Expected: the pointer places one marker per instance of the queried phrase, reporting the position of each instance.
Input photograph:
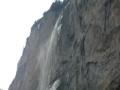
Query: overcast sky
(16, 19)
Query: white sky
(16, 19)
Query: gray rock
(85, 54)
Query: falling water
(45, 56)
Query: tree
(57, 0)
(57, 5)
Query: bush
(57, 5)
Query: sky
(16, 19)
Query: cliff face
(73, 48)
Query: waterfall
(45, 56)
(55, 85)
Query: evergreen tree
(57, 5)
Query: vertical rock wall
(87, 53)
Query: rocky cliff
(75, 46)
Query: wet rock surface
(87, 53)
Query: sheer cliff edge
(75, 46)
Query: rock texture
(85, 54)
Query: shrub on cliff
(57, 5)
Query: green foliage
(57, 5)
